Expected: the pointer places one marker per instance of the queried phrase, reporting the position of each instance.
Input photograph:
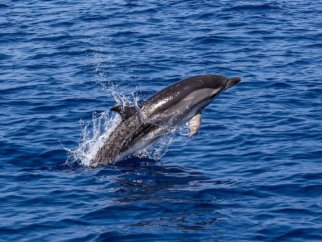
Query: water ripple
(252, 174)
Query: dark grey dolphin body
(164, 111)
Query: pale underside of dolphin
(166, 110)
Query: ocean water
(253, 173)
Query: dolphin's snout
(232, 81)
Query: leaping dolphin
(166, 110)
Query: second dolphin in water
(166, 110)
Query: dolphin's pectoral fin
(124, 111)
(194, 124)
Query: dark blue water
(254, 173)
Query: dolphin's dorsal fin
(124, 111)
(194, 124)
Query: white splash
(95, 132)
(93, 136)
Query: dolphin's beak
(232, 81)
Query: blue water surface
(253, 173)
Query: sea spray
(95, 133)
(93, 136)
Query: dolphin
(166, 110)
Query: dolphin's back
(173, 94)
